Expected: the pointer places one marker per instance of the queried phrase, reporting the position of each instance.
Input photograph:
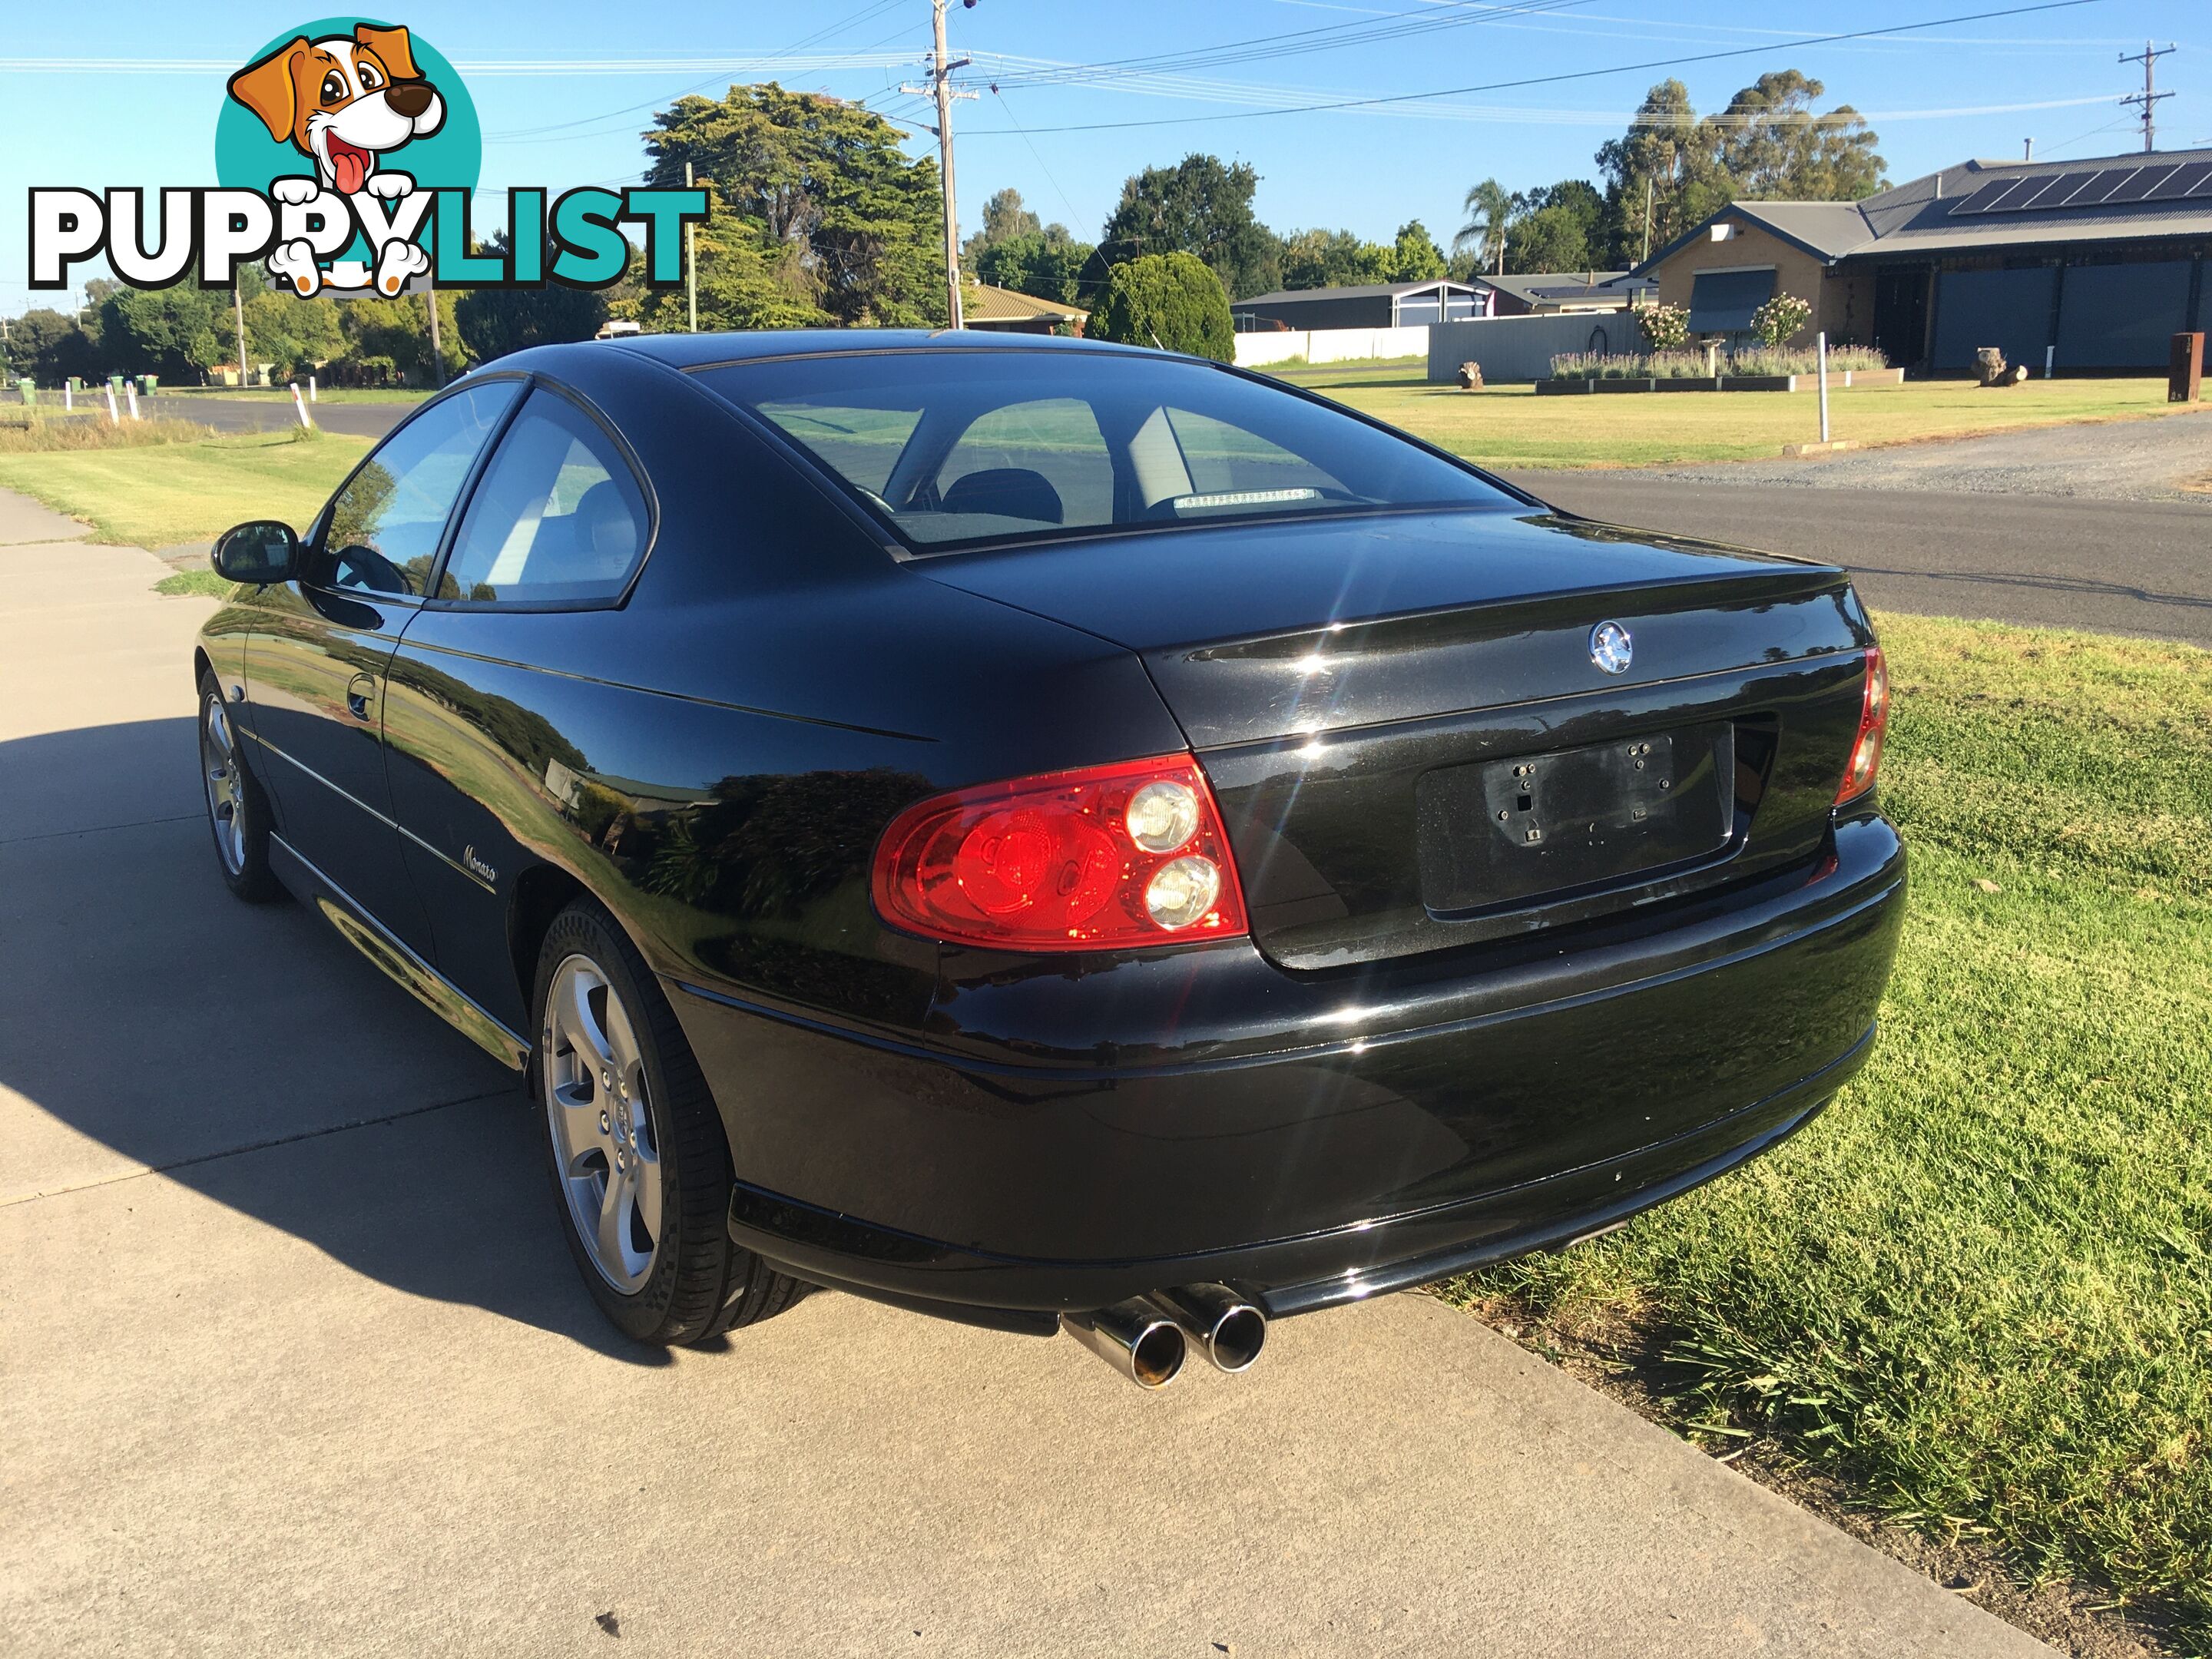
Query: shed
(1375, 305)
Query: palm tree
(1488, 208)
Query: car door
(489, 765)
(316, 660)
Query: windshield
(962, 447)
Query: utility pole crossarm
(2149, 96)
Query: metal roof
(1982, 205)
(1363, 291)
(980, 302)
(1571, 284)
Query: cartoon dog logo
(346, 102)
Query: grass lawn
(1511, 426)
(163, 493)
(1979, 1288)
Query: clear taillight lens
(1100, 859)
(1874, 722)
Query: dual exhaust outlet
(1147, 1338)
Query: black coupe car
(1058, 835)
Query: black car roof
(697, 350)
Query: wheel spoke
(615, 1201)
(646, 1179)
(578, 1127)
(582, 1025)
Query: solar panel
(1983, 200)
(2099, 186)
(2054, 189)
(2182, 181)
(2144, 180)
(2202, 189)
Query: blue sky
(126, 92)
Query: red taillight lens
(1103, 858)
(1874, 721)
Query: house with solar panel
(2090, 266)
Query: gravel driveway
(2147, 460)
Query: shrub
(1171, 300)
(1665, 326)
(1780, 318)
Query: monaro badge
(1611, 648)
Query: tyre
(640, 1164)
(238, 812)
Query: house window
(1722, 301)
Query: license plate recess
(1505, 833)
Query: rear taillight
(1874, 721)
(1103, 858)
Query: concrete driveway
(293, 1361)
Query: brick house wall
(1842, 297)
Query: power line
(1568, 75)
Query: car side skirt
(355, 925)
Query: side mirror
(262, 552)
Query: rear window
(964, 448)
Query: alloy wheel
(226, 788)
(604, 1141)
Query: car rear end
(1532, 872)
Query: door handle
(358, 690)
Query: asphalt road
(2119, 567)
(272, 411)
(1977, 528)
(294, 1360)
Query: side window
(558, 515)
(1041, 462)
(382, 531)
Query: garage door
(2122, 316)
(2008, 309)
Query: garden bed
(1836, 378)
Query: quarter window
(558, 518)
(383, 527)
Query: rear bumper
(1309, 1139)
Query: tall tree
(1332, 259)
(1653, 162)
(1203, 206)
(1773, 146)
(1050, 264)
(1768, 143)
(1004, 219)
(46, 346)
(1415, 257)
(1488, 208)
(824, 181)
(1557, 228)
(177, 333)
(497, 321)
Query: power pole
(941, 65)
(691, 264)
(437, 355)
(1647, 218)
(2150, 95)
(238, 309)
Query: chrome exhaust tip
(1136, 1338)
(1229, 1330)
